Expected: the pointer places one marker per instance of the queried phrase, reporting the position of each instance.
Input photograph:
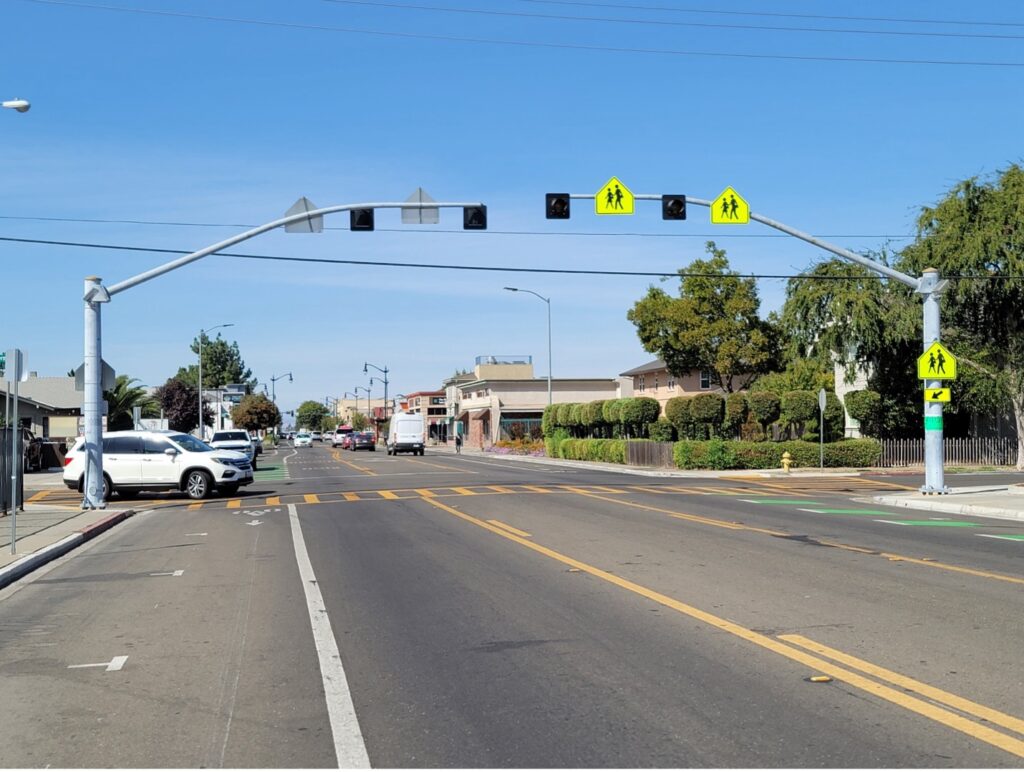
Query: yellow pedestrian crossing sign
(613, 198)
(730, 209)
(937, 395)
(936, 364)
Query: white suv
(235, 439)
(136, 461)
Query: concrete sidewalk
(44, 532)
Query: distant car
(237, 440)
(346, 441)
(363, 441)
(303, 440)
(339, 435)
(318, 436)
(257, 443)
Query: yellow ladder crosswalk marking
(351, 497)
(274, 501)
(311, 498)
(234, 504)
(464, 491)
(197, 505)
(388, 494)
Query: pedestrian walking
(458, 443)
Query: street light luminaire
(21, 105)
(548, 302)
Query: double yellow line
(806, 652)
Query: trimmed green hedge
(717, 454)
(613, 451)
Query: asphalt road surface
(352, 608)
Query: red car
(346, 441)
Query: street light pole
(273, 385)
(548, 302)
(201, 334)
(21, 105)
(385, 371)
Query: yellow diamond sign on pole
(936, 364)
(730, 209)
(613, 198)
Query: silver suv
(235, 439)
(136, 461)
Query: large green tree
(222, 364)
(712, 326)
(122, 398)
(975, 235)
(310, 414)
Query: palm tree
(122, 398)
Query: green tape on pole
(933, 423)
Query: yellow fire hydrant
(787, 461)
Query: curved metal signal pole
(927, 285)
(96, 294)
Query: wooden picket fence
(967, 451)
(649, 453)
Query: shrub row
(719, 454)
(631, 413)
(613, 451)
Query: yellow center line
(509, 528)
(311, 498)
(234, 504)
(951, 700)
(606, 489)
(926, 709)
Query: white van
(406, 434)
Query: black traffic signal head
(474, 218)
(673, 207)
(361, 219)
(556, 206)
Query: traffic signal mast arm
(892, 273)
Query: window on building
(655, 381)
(640, 384)
(671, 381)
(705, 379)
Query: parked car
(257, 443)
(235, 439)
(317, 436)
(135, 461)
(303, 440)
(32, 448)
(363, 441)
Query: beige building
(503, 400)
(654, 380)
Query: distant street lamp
(385, 371)
(548, 301)
(21, 105)
(201, 334)
(273, 383)
(367, 400)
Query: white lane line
(197, 534)
(115, 664)
(349, 746)
(179, 572)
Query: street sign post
(822, 401)
(614, 198)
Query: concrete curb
(942, 504)
(30, 563)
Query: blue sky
(172, 118)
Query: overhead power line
(174, 223)
(528, 43)
(455, 267)
(664, 23)
(720, 12)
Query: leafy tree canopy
(180, 403)
(310, 414)
(713, 325)
(122, 398)
(222, 364)
(255, 412)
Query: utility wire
(720, 12)
(453, 267)
(663, 23)
(462, 231)
(526, 43)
